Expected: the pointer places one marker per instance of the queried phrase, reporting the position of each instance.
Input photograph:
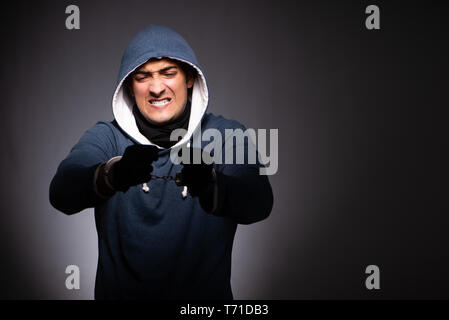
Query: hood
(156, 41)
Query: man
(158, 238)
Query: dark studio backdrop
(363, 132)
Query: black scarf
(160, 135)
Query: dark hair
(189, 72)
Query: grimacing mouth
(157, 101)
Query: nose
(156, 88)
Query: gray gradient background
(362, 138)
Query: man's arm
(242, 194)
(72, 187)
(235, 191)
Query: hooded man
(156, 240)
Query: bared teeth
(159, 102)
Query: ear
(190, 82)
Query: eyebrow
(161, 70)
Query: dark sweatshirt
(160, 244)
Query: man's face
(160, 90)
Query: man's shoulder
(108, 130)
(219, 122)
(104, 127)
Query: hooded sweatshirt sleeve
(243, 194)
(72, 189)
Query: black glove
(200, 181)
(134, 167)
(198, 178)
